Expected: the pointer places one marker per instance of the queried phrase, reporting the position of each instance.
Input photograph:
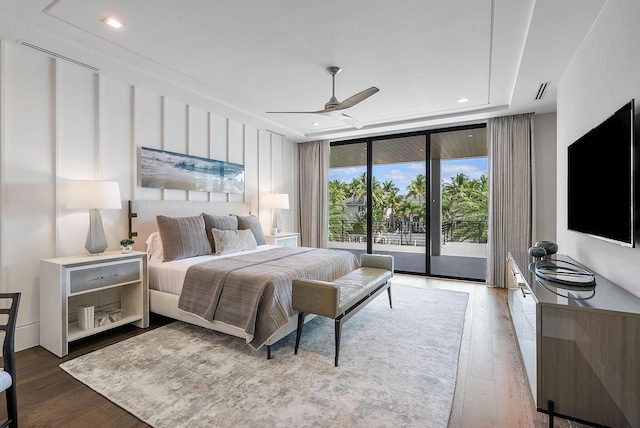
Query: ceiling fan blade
(344, 118)
(333, 106)
(355, 99)
(350, 121)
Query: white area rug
(397, 368)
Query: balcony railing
(412, 233)
(465, 231)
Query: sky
(402, 174)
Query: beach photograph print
(167, 170)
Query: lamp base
(96, 242)
(276, 222)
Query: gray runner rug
(397, 368)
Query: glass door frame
(369, 141)
(427, 171)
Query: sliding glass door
(459, 208)
(348, 191)
(397, 195)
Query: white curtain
(512, 195)
(313, 193)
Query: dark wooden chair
(8, 318)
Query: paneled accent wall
(61, 122)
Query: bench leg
(268, 352)
(301, 316)
(338, 333)
(389, 293)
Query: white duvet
(168, 277)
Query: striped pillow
(252, 223)
(183, 237)
(220, 222)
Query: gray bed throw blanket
(253, 291)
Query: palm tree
(358, 186)
(389, 187)
(358, 189)
(418, 187)
(459, 186)
(338, 217)
(465, 201)
(337, 194)
(378, 213)
(377, 191)
(391, 202)
(407, 209)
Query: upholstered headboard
(142, 214)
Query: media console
(580, 348)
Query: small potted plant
(126, 246)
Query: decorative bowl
(537, 252)
(549, 246)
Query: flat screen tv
(601, 180)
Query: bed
(243, 293)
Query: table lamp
(94, 196)
(277, 202)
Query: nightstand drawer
(287, 241)
(89, 278)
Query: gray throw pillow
(232, 241)
(252, 223)
(220, 222)
(183, 237)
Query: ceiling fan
(333, 107)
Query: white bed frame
(142, 223)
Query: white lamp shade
(92, 194)
(276, 200)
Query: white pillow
(154, 247)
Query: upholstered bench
(343, 297)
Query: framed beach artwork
(167, 170)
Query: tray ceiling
(254, 57)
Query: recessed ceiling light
(112, 22)
(470, 135)
(463, 100)
(316, 123)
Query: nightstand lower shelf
(76, 332)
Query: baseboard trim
(27, 336)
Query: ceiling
(248, 58)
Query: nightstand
(115, 284)
(284, 239)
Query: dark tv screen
(601, 179)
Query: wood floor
(491, 390)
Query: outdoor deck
(457, 260)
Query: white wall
(60, 122)
(545, 176)
(604, 75)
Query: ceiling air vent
(542, 89)
(57, 55)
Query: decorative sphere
(549, 246)
(537, 252)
